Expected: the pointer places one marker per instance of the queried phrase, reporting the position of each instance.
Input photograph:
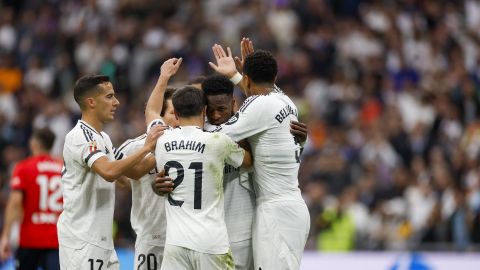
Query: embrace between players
(226, 195)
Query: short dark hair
(85, 85)
(166, 96)
(188, 101)
(197, 80)
(260, 67)
(45, 136)
(217, 85)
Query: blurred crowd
(390, 90)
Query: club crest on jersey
(92, 146)
(232, 119)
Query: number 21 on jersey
(198, 168)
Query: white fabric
(180, 258)
(147, 256)
(242, 254)
(82, 258)
(239, 200)
(265, 122)
(147, 216)
(279, 234)
(88, 199)
(197, 221)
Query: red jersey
(39, 178)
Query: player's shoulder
(131, 143)
(80, 134)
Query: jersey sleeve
(90, 152)
(118, 153)
(234, 153)
(158, 121)
(17, 180)
(250, 119)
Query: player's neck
(261, 89)
(39, 152)
(92, 121)
(192, 121)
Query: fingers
(299, 124)
(155, 132)
(178, 62)
(215, 52)
(162, 185)
(238, 62)
(215, 67)
(218, 51)
(161, 174)
(229, 52)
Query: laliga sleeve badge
(92, 146)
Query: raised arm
(230, 67)
(13, 213)
(112, 170)
(155, 101)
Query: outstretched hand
(170, 67)
(246, 48)
(225, 63)
(152, 136)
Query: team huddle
(213, 187)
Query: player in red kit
(37, 194)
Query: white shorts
(280, 231)
(88, 257)
(180, 258)
(242, 254)
(148, 257)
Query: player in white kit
(239, 195)
(196, 232)
(282, 220)
(147, 216)
(91, 165)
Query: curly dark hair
(261, 67)
(217, 85)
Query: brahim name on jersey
(182, 145)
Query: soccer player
(147, 216)
(36, 193)
(282, 221)
(196, 231)
(239, 195)
(91, 165)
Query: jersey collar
(88, 126)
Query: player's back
(39, 178)
(264, 120)
(195, 208)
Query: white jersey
(239, 200)
(264, 120)
(88, 199)
(147, 216)
(194, 159)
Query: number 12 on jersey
(197, 195)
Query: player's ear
(89, 102)
(234, 104)
(175, 113)
(248, 82)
